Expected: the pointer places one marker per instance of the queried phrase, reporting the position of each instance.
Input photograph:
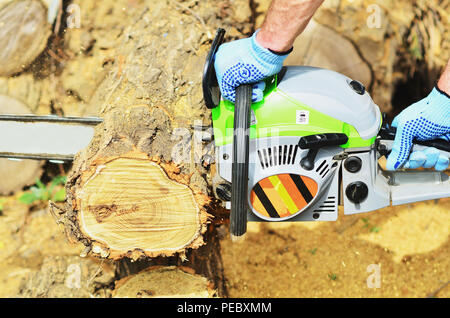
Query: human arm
(252, 59)
(444, 82)
(285, 20)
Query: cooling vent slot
(277, 155)
(329, 205)
(323, 169)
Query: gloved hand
(245, 61)
(425, 120)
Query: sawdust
(413, 230)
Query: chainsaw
(313, 143)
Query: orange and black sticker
(282, 195)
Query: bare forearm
(284, 21)
(444, 81)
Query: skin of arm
(444, 81)
(285, 20)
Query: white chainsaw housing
(329, 92)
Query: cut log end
(131, 203)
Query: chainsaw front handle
(241, 141)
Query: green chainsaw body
(278, 115)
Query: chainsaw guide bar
(44, 137)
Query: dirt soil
(409, 246)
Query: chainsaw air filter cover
(282, 196)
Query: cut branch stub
(131, 203)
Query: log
(139, 191)
(132, 202)
(68, 276)
(23, 34)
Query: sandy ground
(394, 252)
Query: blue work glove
(245, 61)
(425, 120)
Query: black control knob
(357, 87)
(357, 192)
(307, 162)
(353, 164)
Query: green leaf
(28, 198)
(59, 180)
(375, 229)
(60, 195)
(40, 184)
(332, 276)
(38, 192)
(313, 251)
(46, 195)
(366, 222)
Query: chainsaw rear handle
(239, 174)
(388, 133)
